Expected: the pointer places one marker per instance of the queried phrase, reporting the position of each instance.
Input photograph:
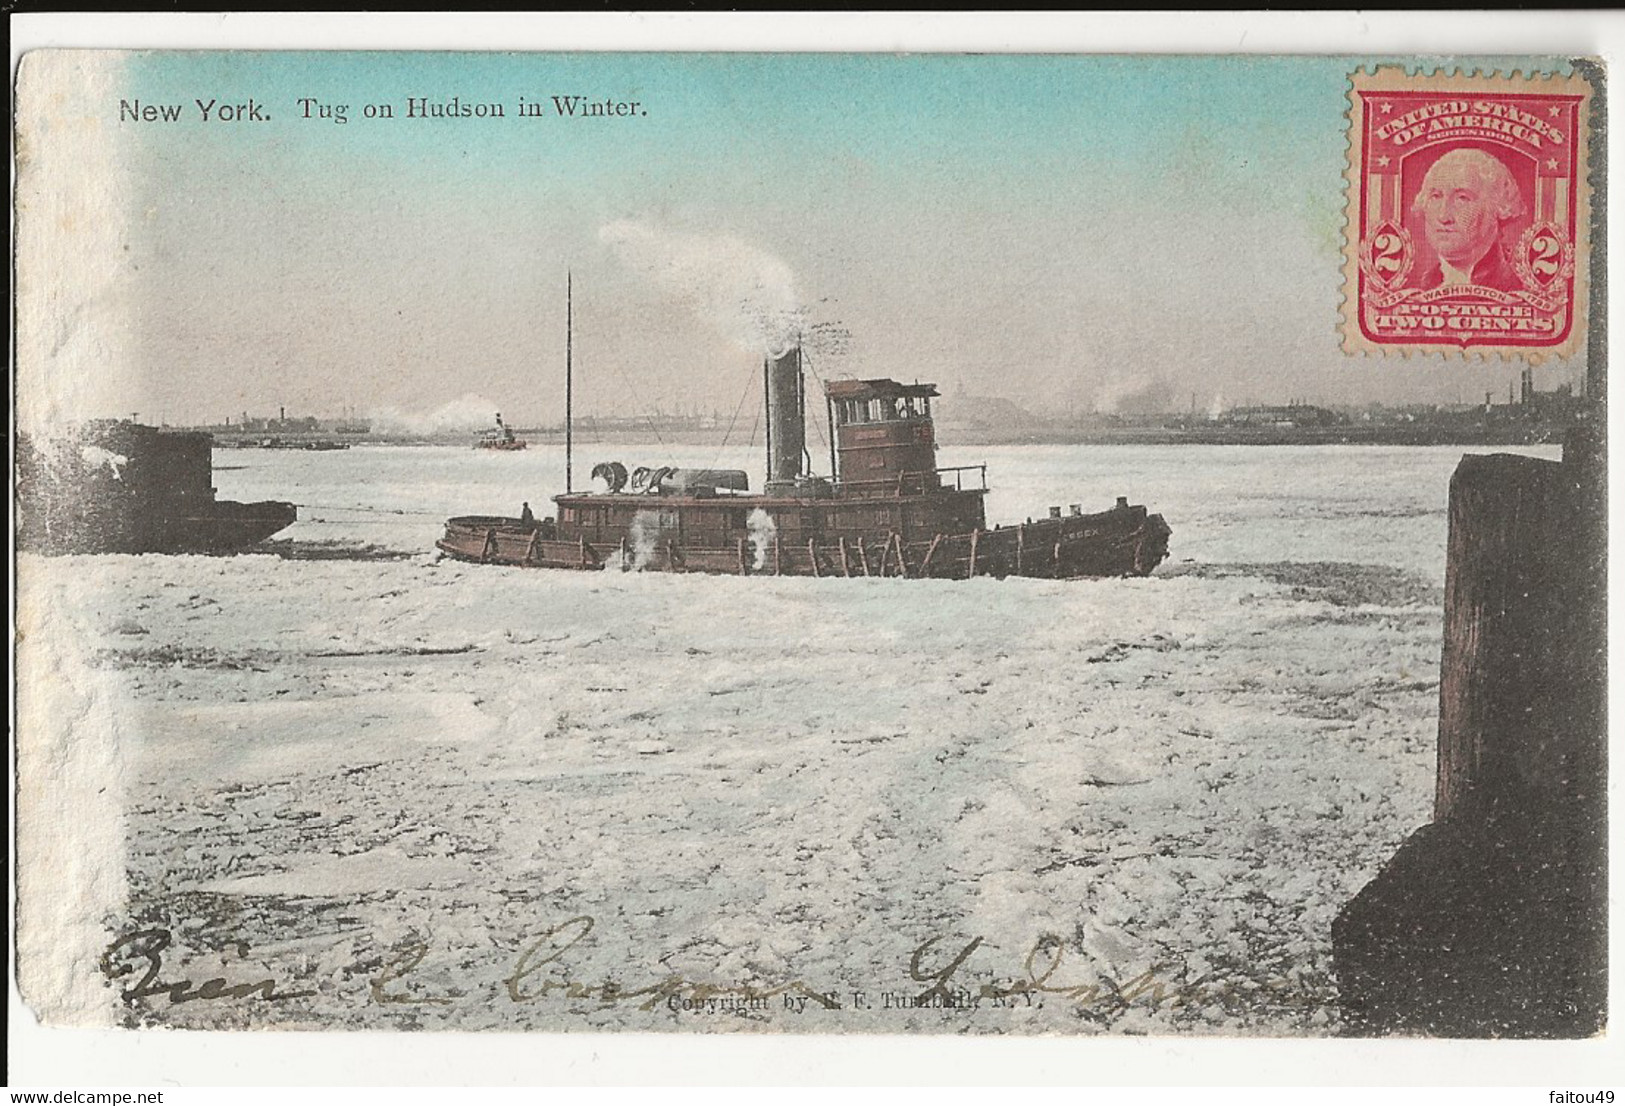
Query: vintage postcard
(793, 543)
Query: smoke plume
(1123, 394)
(747, 294)
(471, 412)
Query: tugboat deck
(885, 510)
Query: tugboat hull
(1125, 541)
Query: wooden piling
(1506, 730)
(1491, 920)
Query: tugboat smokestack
(786, 420)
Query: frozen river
(1226, 503)
(418, 793)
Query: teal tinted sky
(904, 112)
(1094, 232)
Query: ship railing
(918, 483)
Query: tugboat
(502, 437)
(888, 510)
(112, 486)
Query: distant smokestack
(786, 420)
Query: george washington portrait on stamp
(1467, 202)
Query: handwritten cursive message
(939, 976)
(145, 947)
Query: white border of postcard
(99, 1058)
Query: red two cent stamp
(1468, 213)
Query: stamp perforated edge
(1400, 78)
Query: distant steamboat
(888, 510)
(501, 438)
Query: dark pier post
(1491, 920)
(1523, 632)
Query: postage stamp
(1468, 213)
(677, 542)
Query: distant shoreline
(1385, 435)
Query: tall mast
(767, 409)
(569, 380)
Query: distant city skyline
(462, 417)
(1080, 233)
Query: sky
(1073, 233)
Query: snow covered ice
(417, 793)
